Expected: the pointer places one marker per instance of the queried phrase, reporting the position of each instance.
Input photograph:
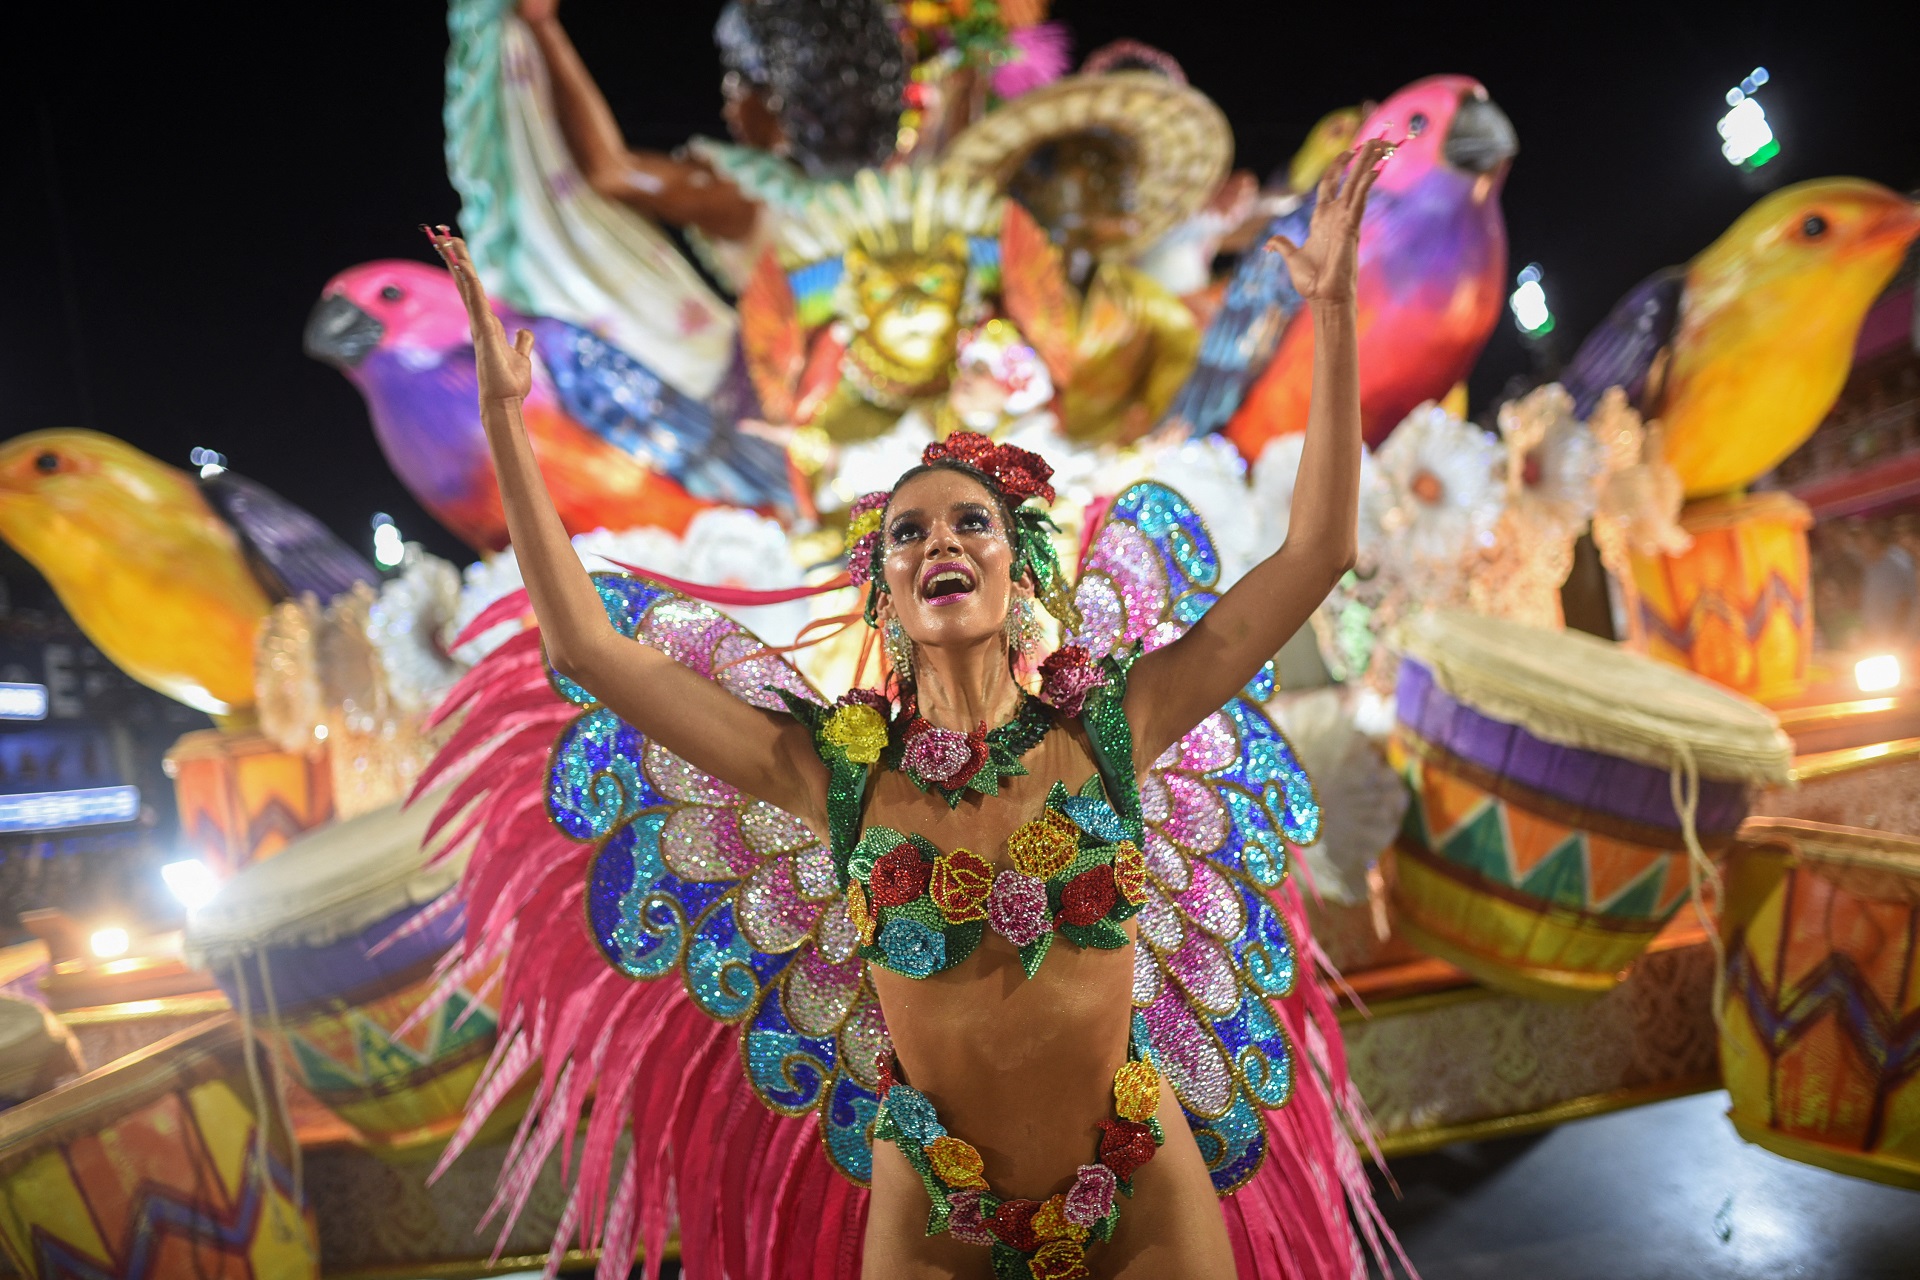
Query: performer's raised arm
(767, 755)
(1174, 688)
(683, 192)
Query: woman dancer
(1013, 1049)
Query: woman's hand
(506, 371)
(1323, 269)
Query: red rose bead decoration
(1012, 1222)
(1125, 1146)
(899, 877)
(1018, 473)
(1067, 676)
(1088, 896)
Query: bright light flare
(211, 463)
(108, 943)
(1877, 674)
(1746, 137)
(1529, 303)
(192, 882)
(389, 549)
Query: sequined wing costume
(575, 818)
(1224, 999)
(747, 1083)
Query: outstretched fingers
(1374, 153)
(453, 251)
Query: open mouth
(946, 583)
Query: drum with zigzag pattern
(1820, 1030)
(333, 948)
(1735, 606)
(1554, 779)
(151, 1168)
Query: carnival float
(1679, 855)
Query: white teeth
(949, 584)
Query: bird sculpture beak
(339, 333)
(1898, 224)
(1482, 138)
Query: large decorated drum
(1557, 781)
(154, 1166)
(330, 948)
(1820, 1030)
(1734, 606)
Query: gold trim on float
(1854, 1164)
(1413, 1142)
(1824, 764)
(1828, 714)
(195, 1006)
(1423, 1002)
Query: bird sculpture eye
(47, 463)
(1814, 227)
(1416, 124)
(393, 293)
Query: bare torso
(1023, 1069)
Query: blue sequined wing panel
(1221, 808)
(735, 895)
(1151, 573)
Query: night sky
(180, 180)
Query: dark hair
(836, 68)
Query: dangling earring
(1023, 628)
(899, 648)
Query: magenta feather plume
(1036, 56)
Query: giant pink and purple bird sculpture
(1433, 263)
(618, 446)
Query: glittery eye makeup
(967, 518)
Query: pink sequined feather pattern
(750, 1192)
(1223, 935)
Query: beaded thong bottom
(1030, 1239)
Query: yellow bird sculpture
(167, 575)
(1742, 352)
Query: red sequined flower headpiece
(1016, 472)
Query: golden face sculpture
(907, 306)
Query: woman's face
(947, 557)
(750, 115)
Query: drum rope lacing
(250, 1050)
(1683, 781)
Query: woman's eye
(976, 522)
(904, 532)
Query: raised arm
(681, 192)
(1173, 689)
(768, 755)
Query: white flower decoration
(408, 626)
(1444, 476)
(1554, 461)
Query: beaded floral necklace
(950, 763)
(1078, 867)
(1030, 1239)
